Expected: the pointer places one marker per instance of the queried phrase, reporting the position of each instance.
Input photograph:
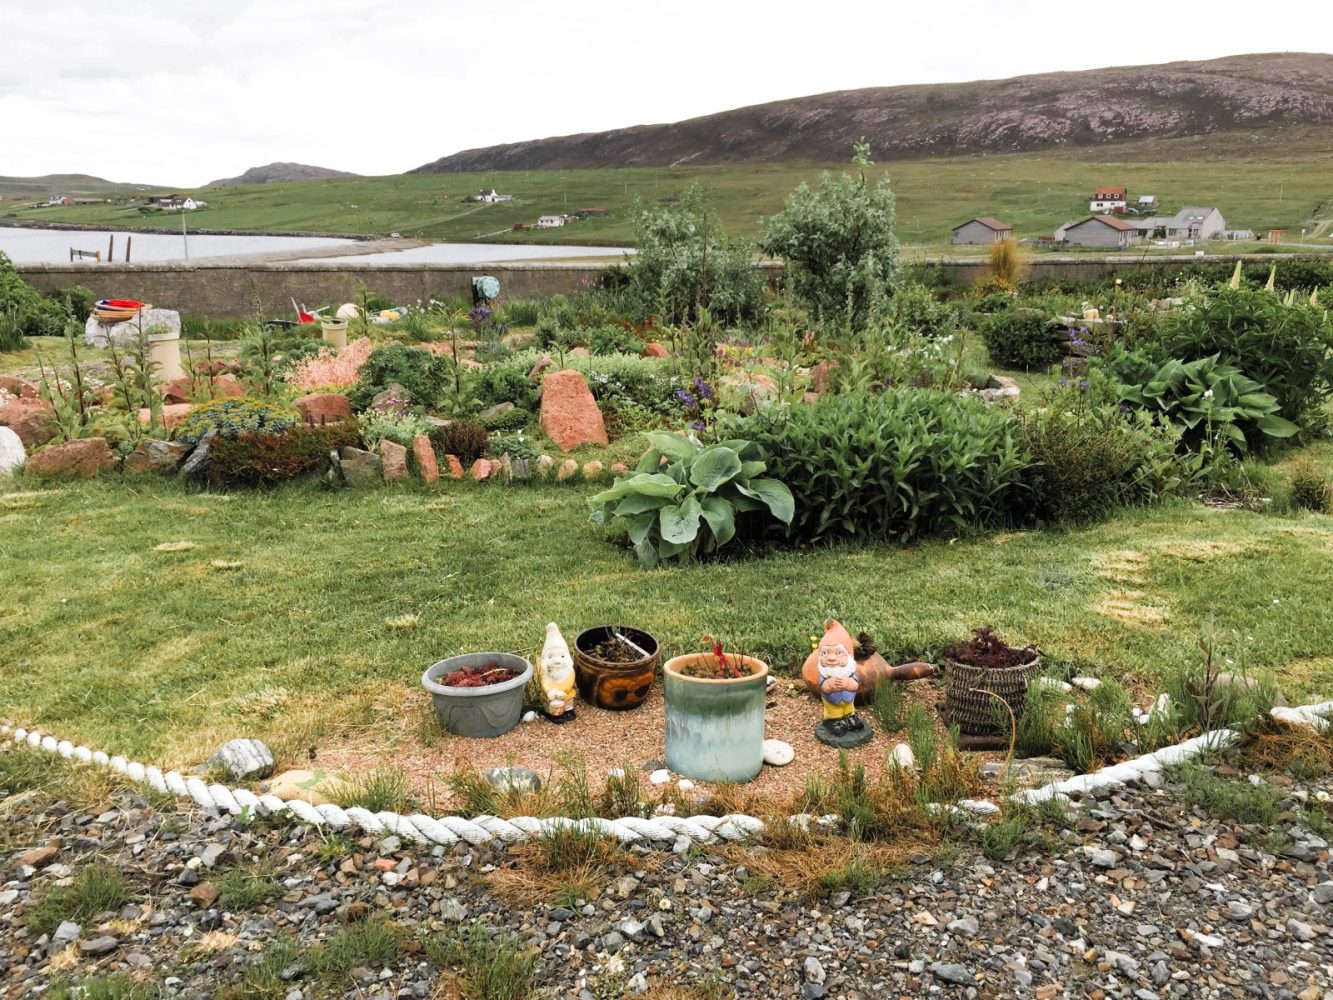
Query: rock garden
(957, 639)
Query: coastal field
(1260, 179)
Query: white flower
(1208, 394)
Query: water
(473, 253)
(51, 246)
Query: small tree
(837, 242)
(686, 267)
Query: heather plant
(838, 244)
(331, 369)
(422, 374)
(465, 439)
(234, 416)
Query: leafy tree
(837, 242)
(686, 267)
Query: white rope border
(681, 833)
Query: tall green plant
(688, 509)
(837, 242)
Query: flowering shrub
(330, 369)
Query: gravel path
(1141, 897)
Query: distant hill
(273, 172)
(1088, 108)
(70, 184)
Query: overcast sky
(182, 92)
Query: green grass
(492, 966)
(160, 655)
(1229, 798)
(96, 889)
(1260, 178)
(246, 887)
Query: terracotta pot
(616, 686)
(715, 728)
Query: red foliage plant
(986, 649)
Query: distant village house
(1190, 223)
(1101, 231)
(490, 195)
(1146, 203)
(550, 221)
(981, 230)
(175, 203)
(1107, 199)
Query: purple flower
(703, 388)
(479, 314)
(698, 425)
(1124, 408)
(1082, 383)
(689, 401)
(1063, 383)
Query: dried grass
(1133, 607)
(813, 864)
(1278, 745)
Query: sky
(181, 92)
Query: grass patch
(1226, 798)
(263, 979)
(562, 865)
(97, 888)
(374, 944)
(489, 965)
(246, 887)
(386, 789)
(102, 988)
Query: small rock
(211, 854)
(901, 756)
(519, 779)
(1086, 683)
(952, 973)
(359, 467)
(660, 777)
(568, 469)
(244, 759)
(814, 971)
(67, 933)
(101, 945)
(967, 926)
(204, 895)
(613, 941)
(529, 716)
(777, 753)
(423, 455)
(38, 857)
(393, 461)
(813, 991)
(481, 469)
(82, 457)
(1302, 930)
(197, 463)
(1323, 893)
(452, 910)
(323, 904)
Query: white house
(1146, 203)
(1195, 223)
(550, 221)
(1107, 199)
(490, 195)
(190, 204)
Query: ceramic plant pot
(614, 685)
(715, 728)
(484, 712)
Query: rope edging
(681, 833)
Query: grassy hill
(1260, 178)
(15, 189)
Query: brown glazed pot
(614, 685)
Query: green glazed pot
(715, 728)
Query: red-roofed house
(1101, 231)
(1107, 199)
(981, 230)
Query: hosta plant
(1208, 399)
(686, 508)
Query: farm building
(550, 221)
(1107, 199)
(1146, 203)
(1101, 231)
(981, 230)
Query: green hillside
(1259, 179)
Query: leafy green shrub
(1089, 459)
(1286, 348)
(503, 382)
(234, 416)
(915, 307)
(1207, 400)
(74, 300)
(11, 330)
(515, 445)
(685, 265)
(612, 338)
(837, 243)
(466, 439)
(509, 420)
(28, 310)
(897, 466)
(688, 509)
(253, 458)
(1022, 338)
(422, 374)
(519, 312)
(616, 378)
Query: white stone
(1051, 682)
(685, 784)
(1086, 683)
(778, 753)
(901, 756)
(155, 321)
(660, 776)
(529, 716)
(12, 452)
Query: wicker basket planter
(970, 708)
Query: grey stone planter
(482, 711)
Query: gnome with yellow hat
(557, 676)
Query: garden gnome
(838, 684)
(557, 676)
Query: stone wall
(240, 290)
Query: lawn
(275, 621)
(1259, 178)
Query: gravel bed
(1142, 896)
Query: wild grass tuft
(889, 706)
(564, 864)
(490, 964)
(246, 887)
(96, 889)
(374, 944)
(1234, 799)
(101, 988)
(386, 789)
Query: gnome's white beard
(558, 669)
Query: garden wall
(239, 290)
